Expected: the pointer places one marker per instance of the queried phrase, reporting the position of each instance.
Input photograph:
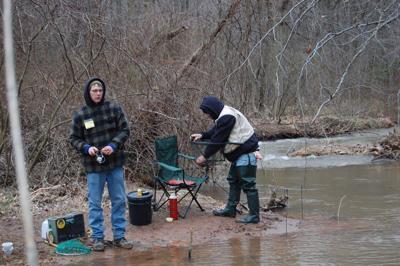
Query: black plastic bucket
(140, 211)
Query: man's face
(208, 116)
(96, 93)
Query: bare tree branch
(272, 29)
(195, 58)
(345, 73)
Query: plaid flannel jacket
(110, 126)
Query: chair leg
(156, 205)
(194, 198)
(190, 204)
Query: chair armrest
(169, 167)
(190, 157)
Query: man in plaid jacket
(99, 131)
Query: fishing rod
(213, 160)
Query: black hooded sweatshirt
(86, 92)
(220, 132)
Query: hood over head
(211, 105)
(86, 91)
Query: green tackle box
(66, 227)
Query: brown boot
(123, 243)
(97, 244)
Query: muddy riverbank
(55, 201)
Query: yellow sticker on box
(60, 223)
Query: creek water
(348, 210)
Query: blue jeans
(246, 159)
(116, 189)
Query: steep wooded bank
(271, 59)
(325, 126)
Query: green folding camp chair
(172, 177)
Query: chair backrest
(167, 150)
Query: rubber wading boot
(233, 200)
(254, 209)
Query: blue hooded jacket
(220, 132)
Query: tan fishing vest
(242, 130)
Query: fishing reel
(100, 158)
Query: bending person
(232, 126)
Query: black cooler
(140, 211)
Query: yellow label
(60, 223)
(89, 123)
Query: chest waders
(242, 178)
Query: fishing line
(304, 174)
